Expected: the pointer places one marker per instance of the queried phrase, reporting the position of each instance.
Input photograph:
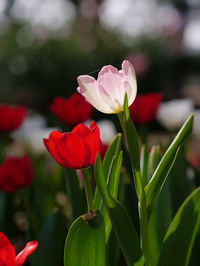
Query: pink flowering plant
(122, 208)
(89, 235)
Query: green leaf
(134, 150)
(132, 138)
(113, 250)
(144, 157)
(180, 168)
(179, 239)
(113, 150)
(155, 185)
(121, 222)
(153, 239)
(51, 241)
(75, 193)
(154, 158)
(159, 221)
(113, 187)
(85, 243)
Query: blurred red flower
(15, 173)
(73, 110)
(145, 107)
(8, 255)
(11, 117)
(76, 149)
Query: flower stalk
(88, 188)
(138, 181)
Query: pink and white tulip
(107, 93)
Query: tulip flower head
(76, 149)
(11, 117)
(8, 254)
(73, 110)
(145, 107)
(15, 173)
(107, 93)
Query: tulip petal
(51, 145)
(131, 86)
(81, 130)
(73, 150)
(81, 109)
(88, 87)
(28, 250)
(114, 104)
(113, 83)
(93, 125)
(94, 142)
(7, 251)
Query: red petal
(51, 145)
(144, 108)
(28, 250)
(72, 149)
(94, 142)
(55, 136)
(7, 251)
(81, 130)
(93, 125)
(76, 102)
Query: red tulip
(15, 173)
(76, 149)
(8, 255)
(73, 110)
(144, 108)
(11, 117)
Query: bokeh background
(45, 45)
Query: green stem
(142, 200)
(88, 188)
(144, 228)
(121, 120)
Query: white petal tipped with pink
(107, 93)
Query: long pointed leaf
(144, 158)
(155, 185)
(179, 239)
(113, 150)
(121, 222)
(133, 147)
(113, 187)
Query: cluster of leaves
(169, 238)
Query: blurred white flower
(139, 17)
(45, 17)
(172, 114)
(191, 37)
(107, 130)
(32, 132)
(34, 139)
(196, 126)
(31, 122)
